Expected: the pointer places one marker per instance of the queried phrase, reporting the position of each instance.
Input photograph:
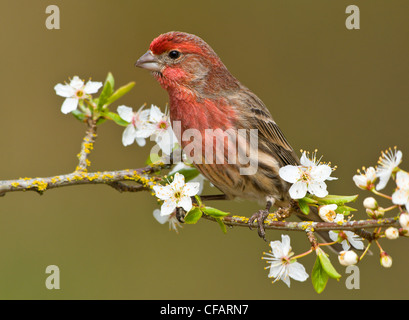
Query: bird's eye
(174, 54)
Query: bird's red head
(182, 60)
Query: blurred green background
(344, 92)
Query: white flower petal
(167, 207)
(400, 196)
(126, 113)
(286, 247)
(191, 189)
(69, 105)
(298, 190)
(402, 180)
(128, 136)
(178, 181)
(64, 90)
(155, 115)
(163, 192)
(318, 188)
(354, 240)
(345, 245)
(161, 219)
(76, 83)
(297, 271)
(140, 141)
(92, 87)
(290, 173)
(333, 235)
(277, 249)
(321, 172)
(360, 181)
(185, 203)
(305, 161)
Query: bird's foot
(260, 216)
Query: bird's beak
(148, 61)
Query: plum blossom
(366, 179)
(75, 91)
(138, 129)
(177, 194)
(281, 266)
(401, 194)
(388, 162)
(162, 131)
(307, 177)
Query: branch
(239, 221)
(111, 178)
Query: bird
(205, 97)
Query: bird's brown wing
(271, 139)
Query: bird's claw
(260, 216)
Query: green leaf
(120, 92)
(345, 210)
(215, 213)
(326, 264)
(319, 277)
(305, 208)
(308, 199)
(107, 90)
(338, 200)
(193, 216)
(221, 224)
(79, 115)
(116, 118)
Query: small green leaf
(326, 264)
(79, 115)
(215, 213)
(304, 207)
(193, 216)
(319, 277)
(345, 210)
(107, 90)
(221, 224)
(120, 92)
(116, 118)
(338, 200)
(308, 199)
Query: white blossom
(281, 266)
(388, 162)
(74, 91)
(401, 194)
(365, 180)
(138, 129)
(307, 177)
(177, 194)
(162, 132)
(347, 239)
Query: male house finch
(204, 95)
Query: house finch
(204, 95)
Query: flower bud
(392, 233)
(386, 260)
(348, 258)
(370, 203)
(327, 212)
(404, 220)
(376, 214)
